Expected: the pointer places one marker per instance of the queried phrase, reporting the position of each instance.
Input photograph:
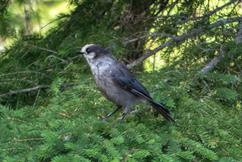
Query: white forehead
(84, 48)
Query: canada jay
(116, 82)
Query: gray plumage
(116, 83)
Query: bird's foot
(121, 119)
(134, 111)
(124, 114)
(111, 113)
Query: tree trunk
(27, 18)
(136, 20)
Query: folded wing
(125, 80)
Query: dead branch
(182, 38)
(210, 66)
(14, 92)
(213, 63)
(152, 35)
(210, 13)
(206, 15)
(155, 34)
(23, 72)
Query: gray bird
(116, 83)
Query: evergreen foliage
(70, 128)
(62, 120)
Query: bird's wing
(125, 80)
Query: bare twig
(24, 90)
(23, 72)
(210, 13)
(57, 58)
(153, 35)
(54, 56)
(179, 39)
(212, 64)
(36, 98)
(17, 80)
(57, 19)
(43, 49)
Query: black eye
(88, 50)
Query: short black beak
(78, 51)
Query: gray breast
(110, 90)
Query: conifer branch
(182, 38)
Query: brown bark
(136, 21)
(27, 18)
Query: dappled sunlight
(50, 14)
(43, 15)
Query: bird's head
(93, 51)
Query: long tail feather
(158, 106)
(162, 110)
